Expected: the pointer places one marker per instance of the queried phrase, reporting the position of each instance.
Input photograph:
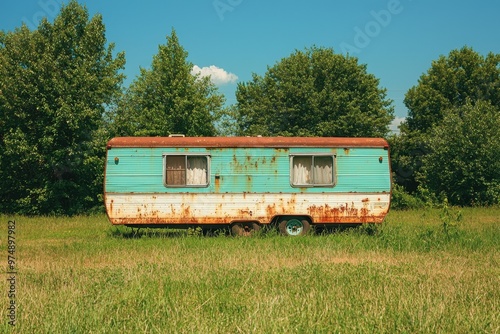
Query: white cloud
(218, 75)
(395, 123)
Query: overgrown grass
(432, 271)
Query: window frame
(313, 156)
(186, 157)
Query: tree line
(62, 98)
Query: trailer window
(185, 170)
(312, 170)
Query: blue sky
(397, 39)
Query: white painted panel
(225, 208)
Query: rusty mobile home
(247, 182)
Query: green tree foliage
(463, 75)
(463, 164)
(451, 81)
(54, 85)
(168, 99)
(313, 93)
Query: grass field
(428, 271)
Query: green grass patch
(425, 271)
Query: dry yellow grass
(81, 275)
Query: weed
(450, 221)
(195, 231)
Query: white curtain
(304, 173)
(302, 170)
(196, 173)
(323, 167)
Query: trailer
(245, 183)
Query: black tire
(294, 227)
(244, 229)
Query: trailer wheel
(244, 229)
(294, 227)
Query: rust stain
(186, 211)
(347, 151)
(319, 214)
(364, 210)
(245, 213)
(192, 197)
(271, 210)
(344, 214)
(365, 215)
(249, 183)
(279, 143)
(290, 205)
(217, 184)
(219, 210)
(180, 221)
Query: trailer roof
(230, 142)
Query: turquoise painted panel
(253, 170)
(250, 170)
(359, 170)
(137, 170)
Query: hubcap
(294, 227)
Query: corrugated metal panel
(246, 170)
(246, 182)
(225, 208)
(246, 142)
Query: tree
(463, 164)
(55, 83)
(314, 93)
(463, 75)
(168, 99)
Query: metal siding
(252, 170)
(249, 180)
(257, 170)
(359, 170)
(226, 208)
(138, 170)
(245, 142)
